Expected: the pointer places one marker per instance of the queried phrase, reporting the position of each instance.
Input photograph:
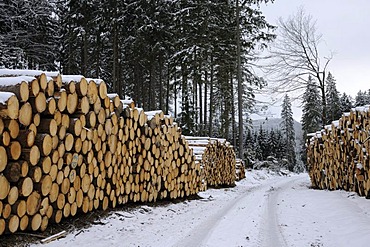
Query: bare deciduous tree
(295, 56)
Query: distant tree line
(265, 144)
(274, 147)
(178, 56)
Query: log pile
(338, 155)
(217, 159)
(69, 147)
(240, 169)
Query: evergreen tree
(311, 109)
(281, 146)
(262, 143)
(311, 113)
(273, 144)
(346, 103)
(287, 128)
(27, 34)
(361, 99)
(333, 110)
(249, 147)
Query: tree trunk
(211, 101)
(205, 101)
(240, 83)
(168, 90)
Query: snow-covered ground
(262, 210)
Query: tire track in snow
(271, 232)
(232, 224)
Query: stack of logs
(68, 147)
(217, 159)
(240, 169)
(338, 155)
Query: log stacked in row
(338, 155)
(240, 169)
(217, 159)
(69, 147)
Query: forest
(178, 56)
(191, 59)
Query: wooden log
(48, 126)
(75, 126)
(102, 88)
(25, 186)
(14, 150)
(44, 143)
(26, 138)
(5, 187)
(13, 195)
(50, 89)
(25, 114)
(19, 208)
(72, 102)
(38, 103)
(12, 126)
(3, 158)
(17, 85)
(9, 105)
(61, 99)
(51, 106)
(35, 173)
(92, 92)
(13, 223)
(33, 203)
(43, 81)
(83, 105)
(13, 172)
(31, 155)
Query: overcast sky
(345, 26)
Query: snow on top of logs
(198, 150)
(364, 108)
(127, 101)
(26, 72)
(139, 109)
(197, 138)
(112, 95)
(198, 142)
(335, 123)
(96, 80)
(9, 81)
(359, 166)
(69, 78)
(4, 96)
(151, 114)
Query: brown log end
(25, 114)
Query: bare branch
(295, 56)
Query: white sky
(345, 26)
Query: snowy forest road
(250, 218)
(263, 210)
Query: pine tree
(262, 143)
(311, 110)
(361, 98)
(333, 110)
(311, 113)
(346, 103)
(273, 144)
(287, 128)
